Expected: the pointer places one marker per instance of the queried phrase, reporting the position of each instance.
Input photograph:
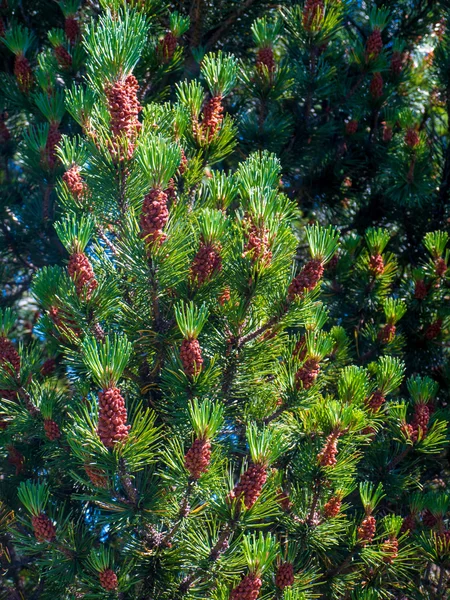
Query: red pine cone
(257, 245)
(376, 401)
(300, 349)
(154, 216)
(412, 137)
(409, 523)
(327, 456)
(44, 530)
(390, 548)
(308, 278)
(434, 329)
(440, 267)
(250, 485)
(313, 13)
(387, 133)
(428, 519)
(351, 127)
(48, 367)
(96, 475)
(307, 374)
(124, 109)
(8, 354)
(108, 580)
(52, 430)
(248, 588)
(167, 46)
(409, 431)
(333, 507)
(112, 416)
(212, 116)
(23, 73)
(75, 184)
(206, 263)
(421, 417)
(376, 264)
(366, 531)
(387, 333)
(265, 59)
(15, 458)
(285, 575)
(63, 58)
(198, 457)
(183, 163)
(374, 44)
(191, 357)
(53, 139)
(82, 274)
(420, 289)
(397, 61)
(376, 86)
(72, 29)
(225, 296)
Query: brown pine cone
(206, 263)
(428, 519)
(327, 456)
(8, 354)
(225, 296)
(367, 529)
(112, 416)
(333, 507)
(390, 548)
(285, 575)
(250, 485)
(420, 289)
(376, 86)
(412, 137)
(72, 29)
(82, 274)
(75, 184)
(307, 374)
(44, 530)
(96, 475)
(167, 46)
(191, 357)
(374, 44)
(108, 580)
(257, 246)
(212, 116)
(307, 279)
(284, 501)
(52, 430)
(387, 333)
(197, 458)
(124, 109)
(376, 401)
(440, 267)
(409, 523)
(265, 59)
(63, 58)
(376, 264)
(53, 139)
(48, 367)
(421, 418)
(154, 216)
(23, 73)
(248, 588)
(313, 13)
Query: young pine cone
(8, 354)
(366, 531)
(212, 116)
(248, 588)
(48, 367)
(53, 139)
(265, 59)
(75, 184)
(308, 278)
(284, 501)
(198, 457)
(167, 46)
(300, 350)
(421, 418)
(250, 485)
(206, 263)
(412, 137)
(409, 523)
(376, 264)
(327, 456)
(108, 580)
(82, 274)
(124, 109)
(440, 267)
(72, 29)
(307, 374)
(154, 216)
(96, 475)
(225, 296)
(374, 44)
(390, 549)
(51, 429)
(63, 58)
(44, 530)
(387, 133)
(333, 507)
(420, 290)
(285, 575)
(434, 329)
(397, 63)
(23, 73)
(112, 416)
(376, 401)
(428, 519)
(257, 246)
(387, 333)
(313, 13)
(191, 357)
(376, 86)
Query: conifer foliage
(216, 398)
